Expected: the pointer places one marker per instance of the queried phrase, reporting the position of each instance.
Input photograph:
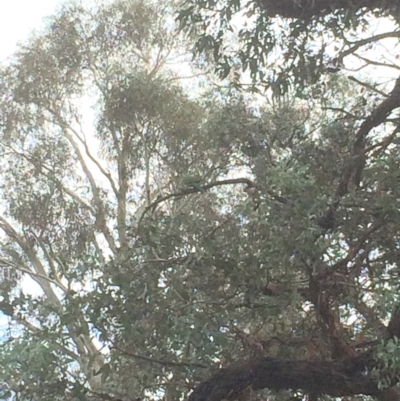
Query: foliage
(120, 282)
(388, 354)
(288, 44)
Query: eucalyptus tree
(100, 229)
(290, 45)
(90, 108)
(154, 230)
(299, 49)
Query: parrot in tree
(193, 182)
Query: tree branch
(306, 9)
(188, 191)
(360, 43)
(100, 213)
(161, 361)
(333, 378)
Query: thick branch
(82, 138)
(305, 9)
(188, 191)
(337, 379)
(377, 117)
(101, 221)
(123, 189)
(363, 42)
(354, 166)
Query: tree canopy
(170, 233)
(291, 44)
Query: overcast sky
(18, 18)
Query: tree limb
(333, 378)
(306, 9)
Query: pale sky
(18, 18)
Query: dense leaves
(288, 44)
(154, 231)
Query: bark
(333, 378)
(347, 377)
(391, 394)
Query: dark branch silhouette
(306, 9)
(346, 377)
(332, 378)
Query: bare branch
(360, 43)
(188, 191)
(105, 173)
(100, 214)
(32, 274)
(368, 86)
(161, 361)
(377, 63)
